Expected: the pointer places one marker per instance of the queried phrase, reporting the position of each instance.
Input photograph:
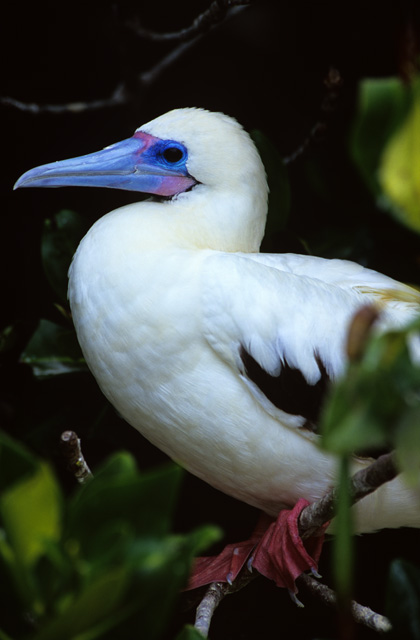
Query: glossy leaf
(60, 238)
(367, 407)
(404, 600)
(382, 106)
(385, 145)
(53, 350)
(399, 170)
(95, 604)
(31, 514)
(145, 502)
(113, 566)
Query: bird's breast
(136, 312)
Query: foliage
(403, 600)
(96, 564)
(385, 145)
(53, 350)
(60, 237)
(377, 404)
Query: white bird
(197, 338)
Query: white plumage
(170, 297)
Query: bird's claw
(295, 599)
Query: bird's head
(206, 157)
(167, 156)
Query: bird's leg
(275, 549)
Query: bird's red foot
(275, 549)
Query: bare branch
(333, 83)
(363, 483)
(214, 596)
(70, 445)
(215, 14)
(147, 78)
(361, 614)
(188, 37)
(120, 96)
(211, 600)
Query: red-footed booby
(216, 353)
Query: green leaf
(278, 182)
(139, 503)
(60, 239)
(403, 600)
(113, 567)
(53, 350)
(368, 406)
(399, 170)
(119, 465)
(95, 604)
(385, 147)
(382, 106)
(343, 539)
(407, 441)
(122, 518)
(30, 511)
(189, 633)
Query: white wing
(282, 320)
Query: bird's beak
(124, 165)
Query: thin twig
(212, 16)
(214, 596)
(147, 78)
(70, 445)
(363, 483)
(361, 614)
(120, 96)
(333, 83)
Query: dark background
(265, 66)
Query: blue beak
(134, 164)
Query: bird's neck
(223, 222)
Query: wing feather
(282, 321)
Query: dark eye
(173, 154)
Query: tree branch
(208, 605)
(362, 615)
(212, 16)
(120, 96)
(70, 446)
(333, 83)
(214, 596)
(187, 38)
(362, 484)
